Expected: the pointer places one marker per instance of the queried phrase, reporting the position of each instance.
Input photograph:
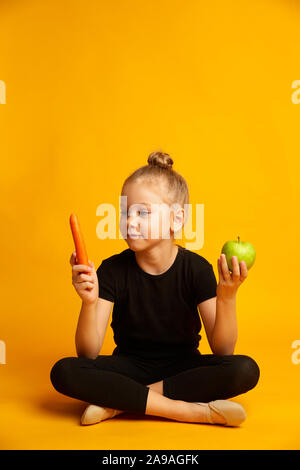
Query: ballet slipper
(94, 414)
(233, 413)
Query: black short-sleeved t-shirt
(156, 315)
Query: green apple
(244, 251)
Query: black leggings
(120, 381)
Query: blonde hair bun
(161, 159)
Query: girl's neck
(157, 259)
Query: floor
(34, 416)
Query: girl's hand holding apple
(230, 282)
(86, 285)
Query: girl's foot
(94, 414)
(223, 412)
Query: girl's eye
(142, 213)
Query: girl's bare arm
(219, 313)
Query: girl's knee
(61, 372)
(247, 372)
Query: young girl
(155, 288)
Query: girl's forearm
(224, 334)
(87, 339)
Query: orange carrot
(81, 253)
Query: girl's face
(145, 215)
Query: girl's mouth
(133, 236)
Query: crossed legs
(175, 397)
(158, 405)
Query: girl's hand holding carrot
(86, 285)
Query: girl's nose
(132, 221)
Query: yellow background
(91, 89)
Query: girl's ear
(177, 220)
